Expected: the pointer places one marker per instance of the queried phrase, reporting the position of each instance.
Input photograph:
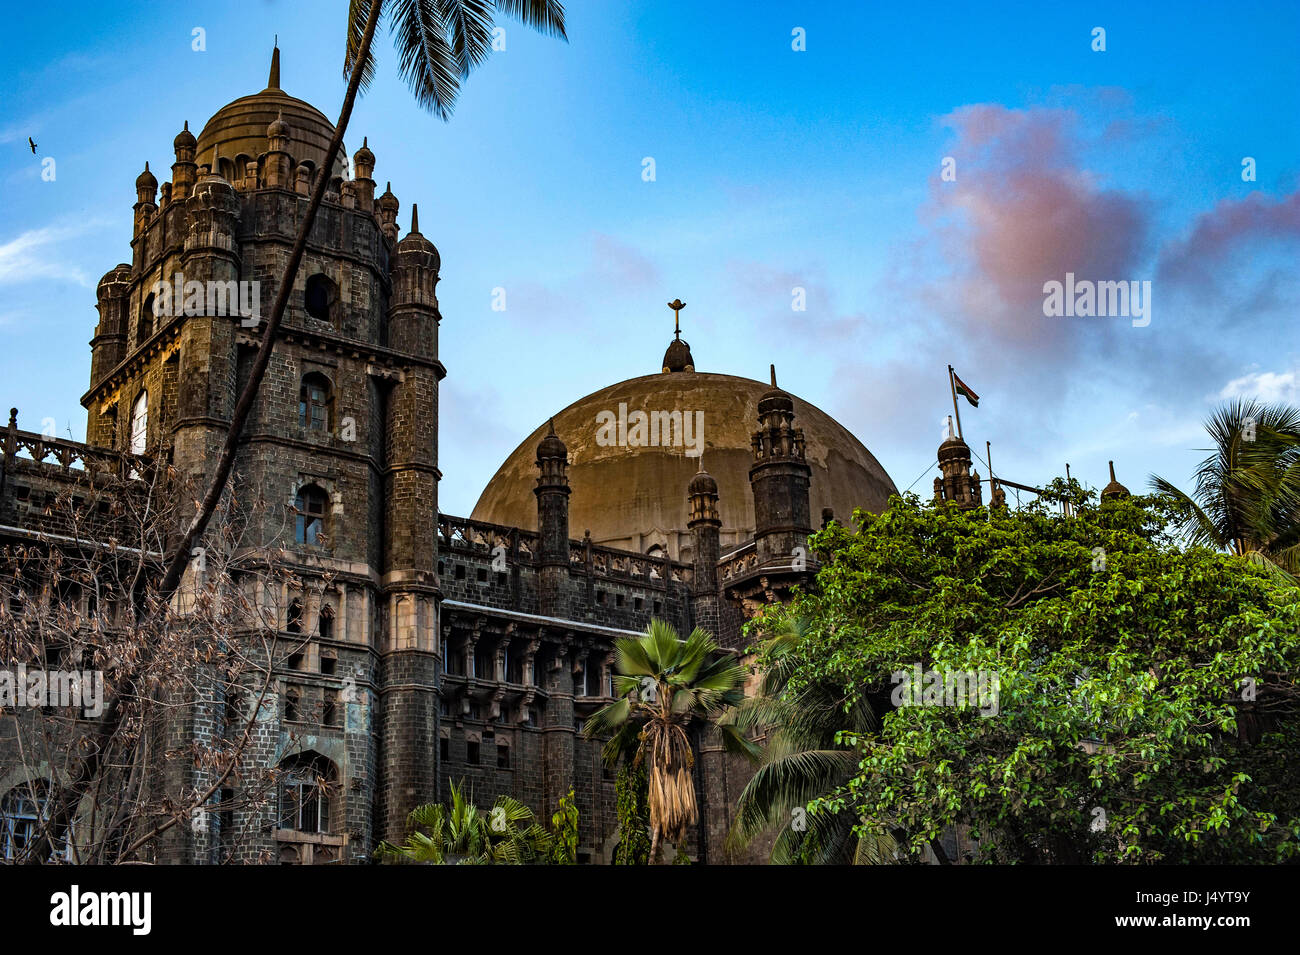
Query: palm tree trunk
(655, 845)
(88, 766)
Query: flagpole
(952, 384)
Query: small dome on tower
(388, 202)
(184, 139)
(146, 180)
(678, 356)
(551, 447)
(364, 155)
(703, 482)
(278, 129)
(1114, 488)
(774, 398)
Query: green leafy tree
(665, 684)
(564, 828)
(1145, 709)
(1247, 497)
(632, 796)
(801, 759)
(459, 833)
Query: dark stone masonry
(439, 648)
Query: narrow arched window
(314, 400)
(139, 423)
(326, 623)
(310, 520)
(144, 326)
(318, 297)
(294, 624)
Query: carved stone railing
(739, 563)
(477, 538)
(66, 455)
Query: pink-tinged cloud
(1024, 211)
(1235, 230)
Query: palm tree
(801, 761)
(666, 685)
(460, 833)
(1247, 497)
(440, 42)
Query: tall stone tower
(958, 483)
(704, 524)
(553, 524)
(779, 478)
(339, 452)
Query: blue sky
(775, 169)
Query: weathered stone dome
(636, 497)
(240, 128)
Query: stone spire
(1114, 489)
(273, 81)
(779, 479)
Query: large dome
(239, 128)
(635, 497)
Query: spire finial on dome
(415, 217)
(677, 305)
(550, 431)
(773, 368)
(273, 81)
(1112, 471)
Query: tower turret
(1114, 489)
(363, 165)
(779, 478)
(388, 206)
(184, 171)
(146, 189)
(553, 523)
(958, 483)
(277, 166)
(705, 526)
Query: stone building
(476, 646)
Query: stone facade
(467, 650)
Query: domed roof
(624, 494)
(240, 127)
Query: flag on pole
(965, 391)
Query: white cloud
(36, 254)
(1271, 387)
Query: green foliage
(801, 759)
(461, 834)
(1123, 732)
(633, 816)
(664, 685)
(564, 828)
(1247, 497)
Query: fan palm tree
(666, 684)
(800, 761)
(440, 42)
(1247, 497)
(460, 833)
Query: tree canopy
(1145, 696)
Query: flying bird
(32, 144)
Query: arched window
(22, 814)
(310, 521)
(305, 790)
(139, 423)
(319, 295)
(314, 400)
(144, 326)
(326, 623)
(294, 624)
